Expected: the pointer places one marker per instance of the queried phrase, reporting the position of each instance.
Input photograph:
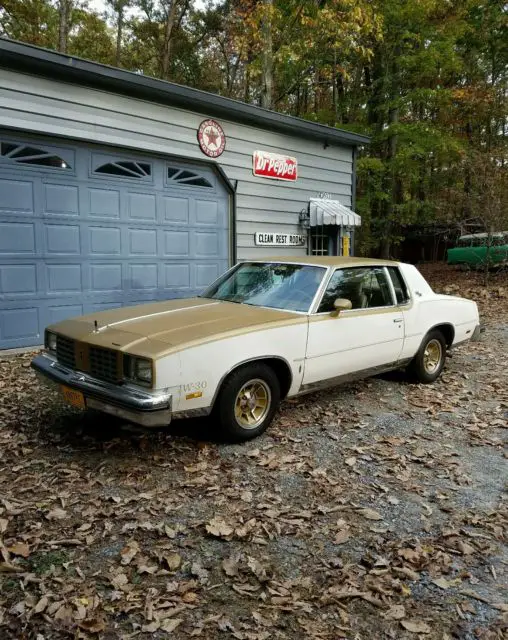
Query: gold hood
(158, 328)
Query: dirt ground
(371, 511)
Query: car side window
(365, 287)
(401, 292)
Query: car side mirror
(342, 304)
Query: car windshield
(287, 286)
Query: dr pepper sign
(274, 166)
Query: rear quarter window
(401, 292)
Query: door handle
(398, 320)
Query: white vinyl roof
(332, 212)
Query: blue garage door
(86, 228)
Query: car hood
(155, 329)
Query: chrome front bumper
(149, 409)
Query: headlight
(138, 370)
(50, 341)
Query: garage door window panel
(187, 178)
(124, 168)
(366, 288)
(27, 154)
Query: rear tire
(428, 363)
(247, 402)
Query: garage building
(116, 188)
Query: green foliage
(427, 80)
(42, 561)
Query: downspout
(353, 200)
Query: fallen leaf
(415, 626)
(442, 583)
(93, 625)
(170, 625)
(219, 528)
(195, 468)
(119, 580)
(56, 514)
(406, 572)
(41, 605)
(190, 597)
(350, 461)
(370, 514)
(257, 569)
(150, 569)
(260, 619)
(173, 561)
(465, 548)
(171, 533)
(129, 551)
(395, 612)
(6, 567)
(3, 525)
(19, 549)
(342, 536)
(230, 565)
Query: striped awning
(332, 212)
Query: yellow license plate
(75, 398)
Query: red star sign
(212, 135)
(211, 138)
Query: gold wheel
(432, 356)
(252, 403)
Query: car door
(367, 337)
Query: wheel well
(448, 332)
(280, 368)
(283, 373)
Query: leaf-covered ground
(375, 510)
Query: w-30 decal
(199, 385)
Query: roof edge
(19, 56)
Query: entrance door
(369, 336)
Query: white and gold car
(264, 331)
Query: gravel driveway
(375, 510)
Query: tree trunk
(168, 32)
(335, 81)
(119, 32)
(267, 88)
(64, 10)
(248, 60)
(395, 186)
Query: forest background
(426, 79)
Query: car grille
(104, 364)
(65, 352)
(100, 363)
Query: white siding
(44, 106)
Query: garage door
(86, 228)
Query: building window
(126, 169)
(187, 177)
(26, 154)
(323, 240)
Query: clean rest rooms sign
(279, 239)
(274, 166)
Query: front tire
(247, 402)
(430, 359)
